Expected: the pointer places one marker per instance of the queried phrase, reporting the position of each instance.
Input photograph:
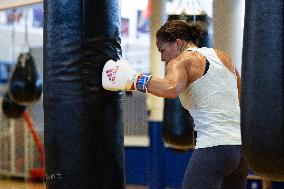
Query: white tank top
(213, 102)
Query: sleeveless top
(213, 102)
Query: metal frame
(8, 150)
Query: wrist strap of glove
(142, 82)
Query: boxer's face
(168, 50)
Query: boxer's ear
(179, 43)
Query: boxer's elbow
(171, 92)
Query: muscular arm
(173, 84)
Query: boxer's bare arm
(173, 84)
(181, 71)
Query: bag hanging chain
(26, 35)
(26, 45)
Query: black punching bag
(83, 122)
(262, 101)
(25, 84)
(178, 125)
(12, 109)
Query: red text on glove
(111, 73)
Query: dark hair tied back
(193, 32)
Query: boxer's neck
(188, 45)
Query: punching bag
(12, 109)
(83, 122)
(178, 132)
(25, 84)
(178, 125)
(262, 125)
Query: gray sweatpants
(218, 167)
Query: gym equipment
(178, 132)
(38, 173)
(83, 122)
(25, 84)
(12, 109)
(118, 75)
(262, 89)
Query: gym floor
(16, 184)
(19, 184)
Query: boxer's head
(176, 35)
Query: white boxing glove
(118, 75)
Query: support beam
(157, 68)
(228, 18)
(9, 4)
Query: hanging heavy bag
(25, 85)
(262, 99)
(178, 132)
(10, 108)
(178, 124)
